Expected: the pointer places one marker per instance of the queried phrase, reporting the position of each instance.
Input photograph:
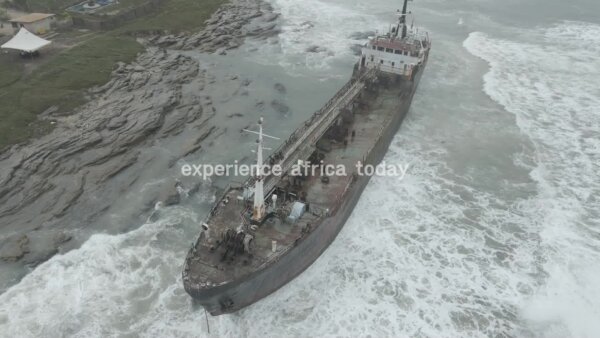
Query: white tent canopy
(26, 41)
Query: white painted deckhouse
(399, 51)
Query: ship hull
(238, 294)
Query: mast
(403, 19)
(259, 196)
(258, 212)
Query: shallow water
(493, 232)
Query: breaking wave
(318, 36)
(429, 256)
(549, 82)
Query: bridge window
(397, 51)
(380, 48)
(405, 52)
(389, 50)
(381, 61)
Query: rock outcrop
(70, 178)
(227, 28)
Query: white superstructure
(399, 51)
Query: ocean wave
(429, 256)
(547, 81)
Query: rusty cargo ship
(261, 234)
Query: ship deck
(206, 267)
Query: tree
(4, 15)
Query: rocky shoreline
(62, 182)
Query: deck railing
(317, 124)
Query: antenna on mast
(258, 212)
(403, 19)
(259, 195)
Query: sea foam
(549, 81)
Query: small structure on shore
(90, 6)
(26, 42)
(39, 23)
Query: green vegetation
(3, 15)
(9, 72)
(60, 80)
(50, 6)
(176, 16)
(56, 6)
(122, 5)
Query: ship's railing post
(325, 113)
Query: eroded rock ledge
(68, 179)
(227, 28)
